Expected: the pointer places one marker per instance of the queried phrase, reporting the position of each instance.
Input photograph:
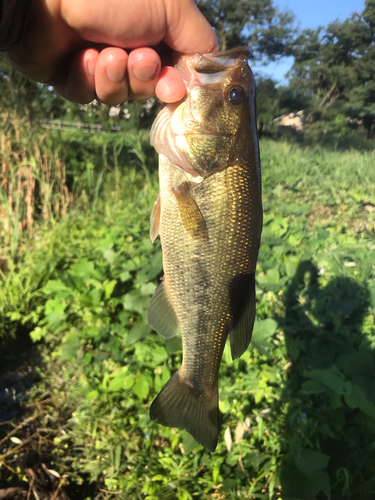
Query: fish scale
(210, 225)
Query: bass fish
(209, 217)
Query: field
(297, 409)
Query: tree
(257, 24)
(361, 105)
(337, 65)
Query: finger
(143, 73)
(79, 84)
(188, 30)
(111, 83)
(170, 87)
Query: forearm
(14, 15)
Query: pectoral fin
(160, 313)
(155, 219)
(191, 217)
(244, 316)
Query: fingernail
(91, 63)
(146, 71)
(116, 72)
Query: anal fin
(191, 217)
(155, 219)
(160, 313)
(240, 336)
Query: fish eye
(236, 95)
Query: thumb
(187, 29)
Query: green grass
(317, 167)
(298, 407)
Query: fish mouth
(210, 68)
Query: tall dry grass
(32, 182)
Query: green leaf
(159, 354)
(272, 277)
(109, 288)
(92, 395)
(109, 255)
(174, 344)
(290, 268)
(141, 387)
(310, 461)
(138, 332)
(224, 406)
(188, 442)
(118, 451)
(128, 382)
(264, 329)
(53, 286)
(117, 383)
(312, 387)
(125, 276)
(323, 234)
(133, 301)
(331, 378)
(37, 334)
(318, 482)
(14, 315)
(372, 292)
(262, 332)
(148, 289)
(71, 346)
(83, 268)
(358, 399)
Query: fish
(209, 217)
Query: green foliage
(336, 66)
(261, 26)
(298, 408)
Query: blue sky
(309, 14)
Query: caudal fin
(178, 404)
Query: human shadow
(329, 435)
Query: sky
(309, 14)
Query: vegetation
(260, 26)
(336, 65)
(80, 366)
(298, 409)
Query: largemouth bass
(209, 216)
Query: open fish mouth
(209, 68)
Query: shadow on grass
(330, 391)
(19, 359)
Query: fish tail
(180, 405)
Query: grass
(297, 410)
(317, 167)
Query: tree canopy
(257, 24)
(336, 65)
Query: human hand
(77, 46)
